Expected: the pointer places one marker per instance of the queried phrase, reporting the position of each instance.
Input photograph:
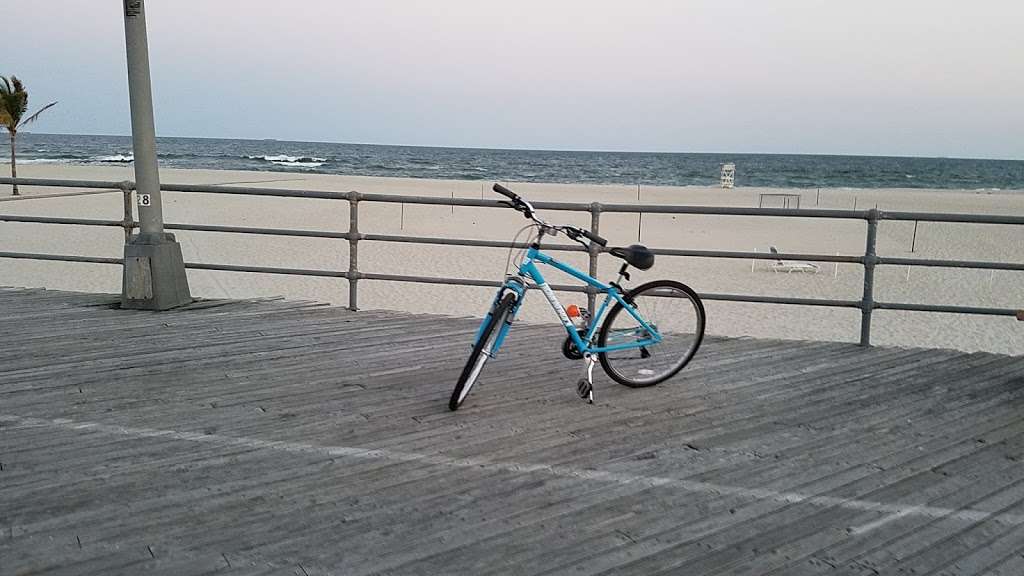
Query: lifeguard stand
(728, 175)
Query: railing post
(128, 222)
(595, 250)
(353, 250)
(867, 303)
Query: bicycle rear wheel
(482, 350)
(671, 308)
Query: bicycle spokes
(654, 337)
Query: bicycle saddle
(635, 255)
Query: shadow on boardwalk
(289, 438)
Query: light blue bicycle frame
(647, 336)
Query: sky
(894, 77)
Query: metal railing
(869, 260)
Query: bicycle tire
(614, 367)
(478, 357)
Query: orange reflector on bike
(573, 311)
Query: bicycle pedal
(585, 389)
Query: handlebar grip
(594, 237)
(505, 192)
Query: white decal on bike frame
(550, 295)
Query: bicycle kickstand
(585, 386)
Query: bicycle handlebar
(518, 203)
(505, 192)
(594, 237)
(527, 209)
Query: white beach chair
(790, 266)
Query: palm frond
(13, 102)
(6, 119)
(35, 116)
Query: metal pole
(595, 250)
(353, 251)
(867, 303)
(147, 177)
(153, 276)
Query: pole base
(154, 274)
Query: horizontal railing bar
(267, 270)
(568, 248)
(469, 202)
(622, 208)
(951, 263)
(455, 281)
(465, 242)
(758, 255)
(264, 231)
(61, 258)
(59, 183)
(735, 211)
(55, 220)
(780, 300)
(247, 191)
(952, 217)
(944, 308)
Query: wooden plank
(229, 434)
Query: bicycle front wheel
(672, 309)
(482, 350)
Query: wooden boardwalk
(275, 437)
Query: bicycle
(650, 333)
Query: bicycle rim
(482, 351)
(675, 312)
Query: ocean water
(677, 169)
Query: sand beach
(893, 284)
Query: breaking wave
(116, 158)
(285, 159)
(299, 164)
(39, 161)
